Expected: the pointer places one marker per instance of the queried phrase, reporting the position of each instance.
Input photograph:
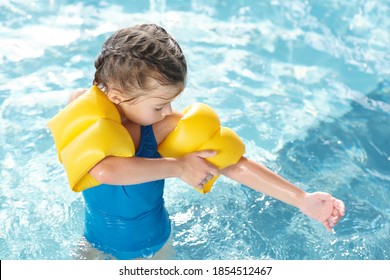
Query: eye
(161, 106)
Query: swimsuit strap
(148, 143)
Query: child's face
(152, 107)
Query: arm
(319, 206)
(74, 95)
(192, 169)
(133, 170)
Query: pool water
(304, 83)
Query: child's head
(137, 61)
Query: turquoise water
(304, 83)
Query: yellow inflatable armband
(85, 132)
(200, 129)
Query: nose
(167, 110)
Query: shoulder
(164, 127)
(74, 95)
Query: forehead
(164, 92)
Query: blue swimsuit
(128, 221)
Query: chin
(146, 123)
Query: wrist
(301, 199)
(174, 167)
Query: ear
(114, 96)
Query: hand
(196, 170)
(323, 207)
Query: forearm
(133, 170)
(259, 178)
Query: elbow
(74, 95)
(235, 170)
(102, 173)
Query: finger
(213, 171)
(209, 177)
(327, 225)
(339, 205)
(206, 153)
(204, 182)
(333, 220)
(336, 213)
(206, 179)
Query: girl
(142, 69)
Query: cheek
(155, 116)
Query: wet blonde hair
(132, 55)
